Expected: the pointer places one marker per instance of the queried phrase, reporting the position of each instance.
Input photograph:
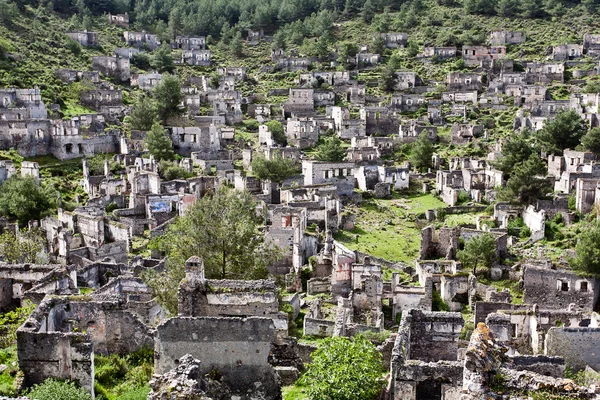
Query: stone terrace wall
(237, 347)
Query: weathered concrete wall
(237, 347)
(578, 346)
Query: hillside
(384, 140)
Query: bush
(53, 389)
(437, 303)
(344, 369)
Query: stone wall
(318, 327)
(578, 346)
(237, 347)
(557, 289)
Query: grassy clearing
(123, 378)
(389, 228)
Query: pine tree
(368, 11)
(159, 143)
(143, 114)
(421, 153)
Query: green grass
(293, 393)
(8, 357)
(119, 378)
(387, 228)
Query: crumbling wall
(578, 346)
(237, 347)
(558, 289)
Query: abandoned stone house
(293, 64)
(406, 80)
(503, 38)
(113, 66)
(141, 40)
(84, 38)
(302, 132)
(460, 97)
(365, 59)
(395, 40)
(559, 289)
(544, 72)
(199, 58)
(425, 357)
(69, 76)
(473, 56)
(410, 130)
(146, 81)
(464, 133)
(189, 43)
(300, 102)
(121, 20)
(441, 53)
(567, 52)
(461, 81)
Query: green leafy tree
(368, 11)
(344, 369)
(507, 8)
(236, 46)
(141, 60)
(421, 152)
(563, 132)
(24, 199)
(143, 114)
(159, 144)
(532, 8)
(222, 229)
(162, 59)
(26, 249)
(479, 250)
(331, 150)
(346, 50)
(275, 170)
(587, 250)
(514, 152)
(277, 132)
(528, 181)
(591, 140)
(378, 44)
(54, 389)
(168, 97)
(387, 80)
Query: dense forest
(218, 18)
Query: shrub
(437, 303)
(53, 389)
(344, 369)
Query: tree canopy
(563, 132)
(421, 152)
(159, 144)
(528, 181)
(591, 140)
(28, 248)
(344, 369)
(277, 132)
(168, 97)
(331, 150)
(479, 250)
(24, 199)
(587, 250)
(514, 152)
(143, 114)
(222, 229)
(275, 170)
